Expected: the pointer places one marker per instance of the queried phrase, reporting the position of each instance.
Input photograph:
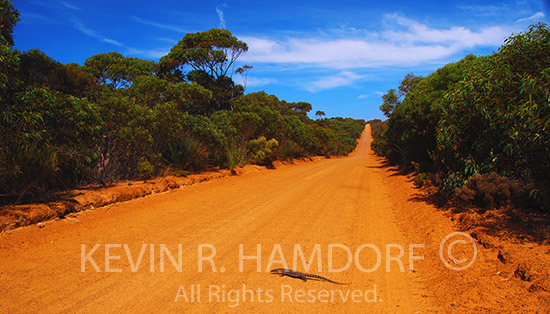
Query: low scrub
(487, 190)
(262, 151)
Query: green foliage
(377, 128)
(39, 70)
(500, 113)
(391, 101)
(48, 139)
(213, 52)
(452, 181)
(9, 16)
(116, 71)
(262, 151)
(478, 116)
(223, 90)
(126, 136)
(420, 179)
(210, 55)
(346, 132)
(236, 155)
(145, 169)
(379, 144)
(409, 136)
(9, 65)
(152, 90)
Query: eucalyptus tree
(213, 52)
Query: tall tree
(9, 16)
(213, 52)
(391, 101)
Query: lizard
(303, 276)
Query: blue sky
(340, 56)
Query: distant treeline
(117, 117)
(479, 129)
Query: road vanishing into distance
(209, 248)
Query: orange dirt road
(115, 259)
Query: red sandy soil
(354, 202)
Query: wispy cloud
(342, 53)
(457, 36)
(362, 96)
(70, 6)
(220, 16)
(403, 42)
(159, 25)
(95, 34)
(154, 53)
(343, 78)
(253, 81)
(536, 16)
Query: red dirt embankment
(14, 216)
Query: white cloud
(255, 81)
(154, 53)
(70, 6)
(362, 96)
(343, 78)
(159, 25)
(148, 53)
(260, 81)
(405, 42)
(220, 16)
(92, 33)
(342, 53)
(538, 15)
(458, 36)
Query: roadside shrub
(288, 149)
(487, 190)
(420, 179)
(145, 169)
(236, 156)
(377, 127)
(263, 151)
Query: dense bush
(262, 151)
(479, 116)
(119, 117)
(487, 190)
(48, 140)
(377, 129)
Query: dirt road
(348, 210)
